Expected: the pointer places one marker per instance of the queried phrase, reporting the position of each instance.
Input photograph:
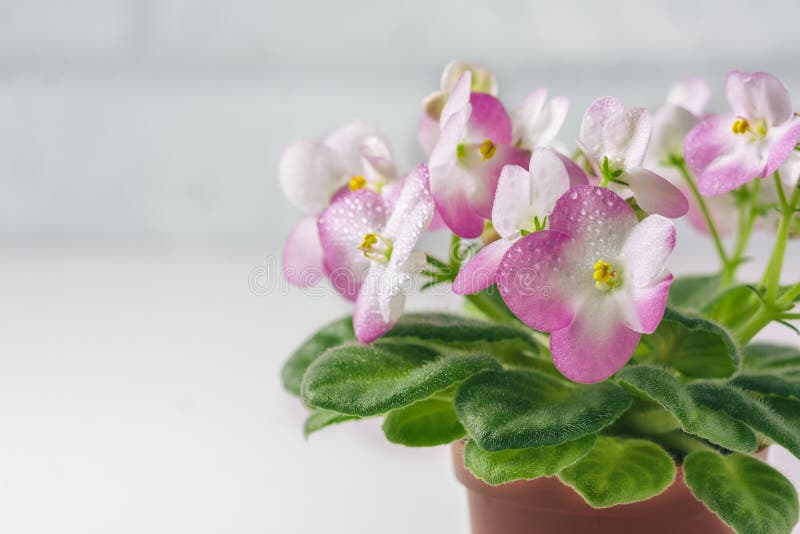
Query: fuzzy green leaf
(732, 308)
(373, 379)
(331, 335)
(717, 427)
(747, 494)
(620, 471)
(748, 409)
(523, 409)
(524, 464)
(768, 384)
(767, 357)
(693, 292)
(319, 419)
(696, 347)
(425, 423)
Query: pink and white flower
(473, 146)
(369, 247)
(311, 173)
(522, 204)
(614, 140)
(481, 81)
(751, 141)
(596, 280)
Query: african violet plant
(578, 354)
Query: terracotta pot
(545, 505)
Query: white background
(139, 386)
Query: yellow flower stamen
(369, 241)
(357, 182)
(376, 247)
(605, 277)
(740, 126)
(487, 149)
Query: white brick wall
(163, 120)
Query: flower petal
(458, 99)
(599, 221)
(427, 133)
(646, 249)
(379, 305)
(655, 194)
(536, 280)
(522, 195)
(609, 130)
(488, 120)
(302, 255)
(577, 176)
(450, 184)
(342, 227)
(487, 174)
(375, 150)
(483, 81)
(537, 123)
(347, 141)
(790, 170)
(309, 174)
(648, 304)
(596, 344)
(692, 95)
(481, 271)
(782, 142)
(410, 217)
(758, 96)
(671, 123)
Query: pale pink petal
(480, 272)
(342, 227)
(649, 303)
(722, 209)
(646, 249)
(523, 115)
(410, 217)
(377, 152)
(379, 304)
(655, 194)
(450, 184)
(537, 123)
(598, 219)
(609, 130)
(783, 139)
(671, 123)
(538, 281)
(302, 255)
(577, 176)
(309, 174)
(522, 195)
(433, 104)
(427, 133)
(488, 120)
(596, 344)
(758, 96)
(692, 95)
(458, 99)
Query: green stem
(747, 219)
(680, 164)
(455, 254)
(772, 275)
(789, 296)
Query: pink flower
(482, 81)
(596, 280)
(311, 173)
(369, 250)
(614, 140)
(751, 141)
(473, 146)
(522, 204)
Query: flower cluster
(577, 242)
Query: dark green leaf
(696, 347)
(768, 384)
(319, 419)
(425, 423)
(715, 426)
(523, 409)
(692, 293)
(749, 410)
(620, 471)
(747, 494)
(373, 379)
(515, 464)
(331, 335)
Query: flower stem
(772, 275)
(679, 163)
(747, 219)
